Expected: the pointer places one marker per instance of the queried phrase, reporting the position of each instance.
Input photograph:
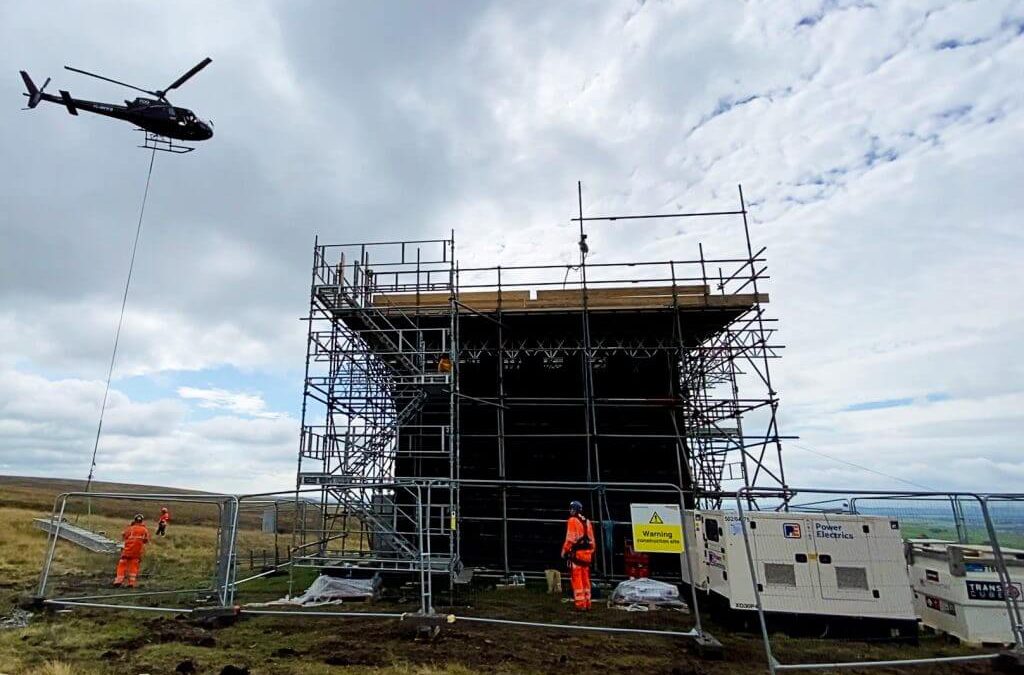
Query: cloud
(153, 339)
(48, 427)
(879, 405)
(241, 403)
(876, 144)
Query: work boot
(117, 583)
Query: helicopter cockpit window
(184, 117)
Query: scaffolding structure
(421, 370)
(372, 376)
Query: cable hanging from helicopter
(162, 122)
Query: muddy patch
(160, 631)
(234, 670)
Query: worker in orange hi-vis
(135, 537)
(578, 551)
(161, 523)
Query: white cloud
(153, 339)
(48, 427)
(877, 144)
(241, 403)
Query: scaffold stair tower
(376, 388)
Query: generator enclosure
(837, 565)
(957, 590)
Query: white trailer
(957, 589)
(833, 565)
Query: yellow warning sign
(657, 528)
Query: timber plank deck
(571, 300)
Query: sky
(879, 146)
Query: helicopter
(162, 122)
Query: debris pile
(327, 590)
(644, 594)
(18, 618)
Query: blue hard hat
(575, 506)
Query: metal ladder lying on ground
(97, 543)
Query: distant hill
(38, 494)
(33, 493)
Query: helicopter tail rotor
(34, 95)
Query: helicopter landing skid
(163, 143)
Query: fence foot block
(707, 647)
(31, 602)
(424, 626)
(1009, 662)
(219, 616)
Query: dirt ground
(94, 641)
(97, 642)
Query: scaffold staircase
(382, 374)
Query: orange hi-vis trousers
(580, 575)
(129, 566)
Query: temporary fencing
(194, 565)
(511, 532)
(515, 531)
(502, 589)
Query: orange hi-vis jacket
(165, 517)
(576, 527)
(135, 539)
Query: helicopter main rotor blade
(195, 69)
(100, 77)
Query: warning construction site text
(657, 528)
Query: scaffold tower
(425, 375)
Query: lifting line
(120, 322)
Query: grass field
(941, 530)
(102, 641)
